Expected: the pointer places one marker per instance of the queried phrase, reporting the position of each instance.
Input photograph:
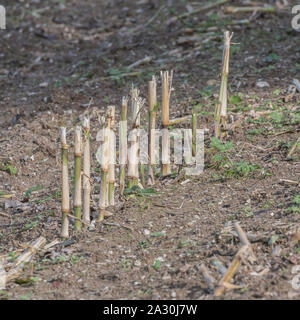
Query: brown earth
(57, 55)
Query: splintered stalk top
(166, 79)
(225, 71)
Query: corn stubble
(77, 178)
(65, 206)
(221, 107)
(166, 78)
(86, 171)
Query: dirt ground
(57, 55)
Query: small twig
(289, 181)
(202, 9)
(179, 120)
(122, 75)
(139, 62)
(157, 13)
(117, 225)
(243, 238)
(270, 9)
(207, 277)
(73, 217)
(5, 215)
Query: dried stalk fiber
(166, 79)
(86, 171)
(152, 96)
(104, 169)
(65, 204)
(123, 143)
(221, 107)
(111, 165)
(77, 177)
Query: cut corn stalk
(104, 169)
(133, 174)
(221, 107)
(153, 106)
(136, 118)
(65, 206)
(86, 171)
(77, 178)
(166, 79)
(123, 144)
(111, 165)
(194, 132)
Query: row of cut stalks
(135, 172)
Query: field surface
(62, 59)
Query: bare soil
(57, 55)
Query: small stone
(44, 85)
(262, 84)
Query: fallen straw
(77, 177)
(166, 78)
(225, 281)
(151, 135)
(221, 107)
(269, 9)
(65, 205)
(24, 257)
(123, 144)
(86, 171)
(179, 120)
(245, 252)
